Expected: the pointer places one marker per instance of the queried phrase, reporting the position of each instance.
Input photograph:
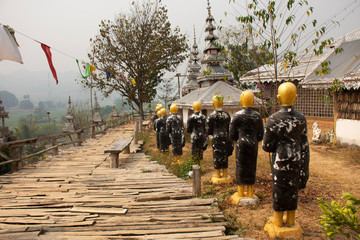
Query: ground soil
(334, 170)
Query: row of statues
(284, 135)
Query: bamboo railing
(15, 158)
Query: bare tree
(167, 91)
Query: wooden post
(196, 180)
(54, 143)
(127, 150)
(112, 121)
(114, 160)
(14, 154)
(79, 137)
(136, 132)
(92, 129)
(335, 100)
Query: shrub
(182, 170)
(340, 218)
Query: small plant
(182, 170)
(260, 195)
(222, 196)
(206, 182)
(144, 136)
(145, 170)
(234, 227)
(209, 191)
(341, 219)
(212, 217)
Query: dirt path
(336, 165)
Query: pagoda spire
(193, 69)
(209, 8)
(212, 70)
(210, 28)
(194, 51)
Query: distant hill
(41, 86)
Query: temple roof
(205, 94)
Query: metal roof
(344, 66)
(266, 73)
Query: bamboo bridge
(76, 195)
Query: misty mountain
(41, 86)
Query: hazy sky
(67, 25)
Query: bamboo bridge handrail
(54, 137)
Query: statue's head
(158, 113)
(173, 108)
(287, 94)
(162, 112)
(197, 106)
(217, 101)
(158, 107)
(247, 98)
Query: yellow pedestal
(244, 201)
(220, 180)
(284, 232)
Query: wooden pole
(54, 143)
(114, 160)
(92, 112)
(136, 133)
(335, 99)
(14, 154)
(196, 180)
(79, 137)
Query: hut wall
(348, 105)
(311, 103)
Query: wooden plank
(118, 211)
(25, 221)
(73, 224)
(119, 146)
(159, 197)
(130, 232)
(19, 235)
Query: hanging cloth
(87, 70)
(92, 68)
(108, 74)
(8, 47)
(47, 51)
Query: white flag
(8, 47)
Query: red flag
(46, 49)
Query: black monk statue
(197, 127)
(246, 129)
(175, 129)
(218, 127)
(286, 138)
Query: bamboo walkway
(75, 195)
